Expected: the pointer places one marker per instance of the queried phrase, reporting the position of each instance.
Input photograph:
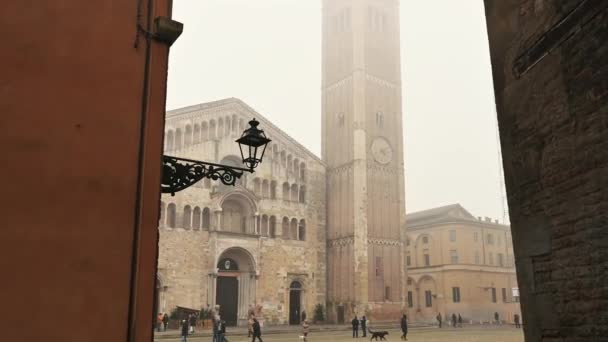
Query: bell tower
(363, 148)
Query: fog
(268, 54)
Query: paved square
(471, 334)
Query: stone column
(218, 219)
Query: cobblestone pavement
(469, 334)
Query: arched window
(302, 172)
(227, 130)
(289, 164)
(188, 136)
(265, 190)
(302, 230)
(302, 194)
(273, 227)
(187, 218)
(296, 167)
(178, 139)
(295, 285)
(234, 216)
(256, 186)
(285, 191)
(264, 226)
(206, 218)
(196, 218)
(294, 192)
(273, 190)
(171, 215)
(163, 207)
(212, 133)
(220, 128)
(285, 228)
(425, 240)
(197, 134)
(379, 119)
(275, 153)
(234, 124)
(283, 158)
(293, 229)
(204, 132)
(170, 143)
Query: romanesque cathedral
(306, 230)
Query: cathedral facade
(301, 230)
(260, 243)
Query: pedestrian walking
(364, 325)
(257, 331)
(192, 322)
(355, 323)
(184, 330)
(305, 329)
(159, 321)
(496, 318)
(459, 321)
(250, 325)
(439, 319)
(215, 320)
(222, 332)
(165, 321)
(516, 320)
(404, 327)
(303, 317)
(454, 320)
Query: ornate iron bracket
(181, 173)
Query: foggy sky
(268, 54)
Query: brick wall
(550, 77)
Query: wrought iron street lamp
(181, 173)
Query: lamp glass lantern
(253, 144)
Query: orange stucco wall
(81, 169)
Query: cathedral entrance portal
(227, 299)
(295, 302)
(235, 285)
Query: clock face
(382, 151)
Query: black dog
(376, 334)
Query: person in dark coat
(355, 323)
(439, 319)
(257, 331)
(184, 330)
(364, 325)
(496, 318)
(165, 321)
(454, 320)
(459, 321)
(516, 321)
(222, 331)
(303, 316)
(215, 321)
(404, 327)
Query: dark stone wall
(549, 61)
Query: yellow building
(459, 264)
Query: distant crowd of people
(456, 320)
(188, 325)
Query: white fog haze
(268, 54)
